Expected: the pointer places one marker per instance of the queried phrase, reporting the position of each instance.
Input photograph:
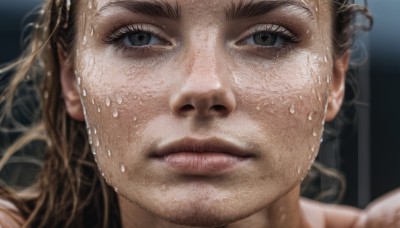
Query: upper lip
(205, 145)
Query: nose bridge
(205, 89)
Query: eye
(265, 39)
(136, 36)
(269, 36)
(140, 38)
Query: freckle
(292, 109)
(310, 115)
(84, 92)
(119, 100)
(122, 167)
(115, 113)
(108, 102)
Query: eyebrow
(155, 8)
(258, 8)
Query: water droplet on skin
(109, 153)
(310, 115)
(325, 59)
(328, 79)
(92, 100)
(319, 97)
(135, 118)
(97, 142)
(119, 100)
(115, 113)
(90, 5)
(84, 40)
(90, 140)
(91, 31)
(98, 109)
(292, 109)
(84, 92)
(95, 131)
(298, 170)
(301, 97)
(122, 167)
(94, 152)
(79, 80)
(314, 133)
(116, 189)
(258, 108)
(102, 174)
(312, 148)
(108, 102)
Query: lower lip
(206, 163)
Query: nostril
(187, 108)
(218, 108)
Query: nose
(206, 89)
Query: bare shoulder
(330, 216)
(9, 216)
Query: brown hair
(69, 190)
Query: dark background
(370, 148)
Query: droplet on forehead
(122, 167)
(292, 109)
(115, 113)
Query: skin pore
(241, 88)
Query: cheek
(288, 100)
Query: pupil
(266, 39)
(139, 39)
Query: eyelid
(273, 28)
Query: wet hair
(69, 190)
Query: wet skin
(207, 116)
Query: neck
(285, 212)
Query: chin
(199, 217)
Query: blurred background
(368, 150)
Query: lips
(210, 156)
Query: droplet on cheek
(122, 167)
(119, 100)
(310, 115)
(292, 109)
(115, 113)
(84, 40)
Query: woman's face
(204, 111)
